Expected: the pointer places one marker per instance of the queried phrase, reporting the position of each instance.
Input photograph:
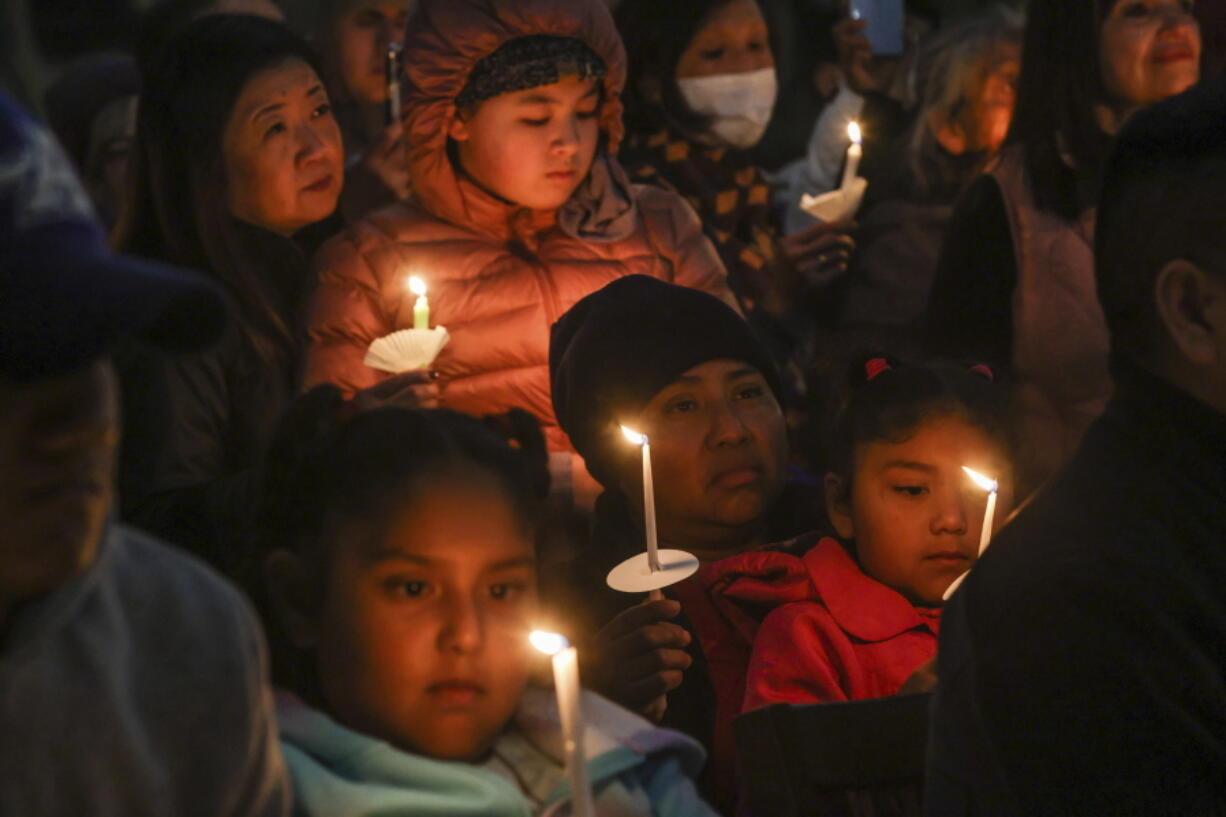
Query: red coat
(850, 638)
(725, 602)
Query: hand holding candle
(649, 496)
(649, 572)
(566, 685)
(855, 151)
(421, 307)
(843, 201)
(989, 518)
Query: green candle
(421, 307)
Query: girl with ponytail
(402, 581)
(907, 521)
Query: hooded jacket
(499, 275)
(636, 770)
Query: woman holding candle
(403, 580)
(907, 519)
(966, 80)
(1015, 283)
(520, 207)
(699, 95)
(685, 370)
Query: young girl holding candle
(403, 579)
(520, 207)
(908, 519)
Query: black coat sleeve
(180, 475)
(970, 310)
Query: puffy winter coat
(499, 275)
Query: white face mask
(740, 104)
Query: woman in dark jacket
(238, 160)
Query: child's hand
(417, 389)
(924, 679)
(639, 657)
(388, 160)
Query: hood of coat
(445, 40)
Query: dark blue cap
(65, 298)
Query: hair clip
(984, 370)
(875, 367)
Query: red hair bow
(875, 367)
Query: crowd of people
(964, 438)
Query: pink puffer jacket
(499, 275)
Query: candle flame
(853, 132)
(548, 643)
(634, 436)
(986, 483)
(416, 285)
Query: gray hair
(949, 67)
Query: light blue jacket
(636, 769)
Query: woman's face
(282, 150)
(363, 33)
(718, 453)
(989, 109)
(734, 40)
(1148, 50)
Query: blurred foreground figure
(1083, 662)
(132, 679)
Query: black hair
(888, 399)
(159, 25)
(329, 467)
(656, 34)
(177, 209)
(1055, 120)
(1163, 195)
(325, 468)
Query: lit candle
(989, 514)
(989, 517)
(649, 497)
(421, 307)
(566, 685)
(854, 151)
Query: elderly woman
(966, 78)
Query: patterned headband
(529, 62)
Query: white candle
(989, 515)
(421, 307)
(989, 518)
(649, 497)
(854, 151)
(566, 685)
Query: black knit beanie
(615, 349)
(529, 62)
